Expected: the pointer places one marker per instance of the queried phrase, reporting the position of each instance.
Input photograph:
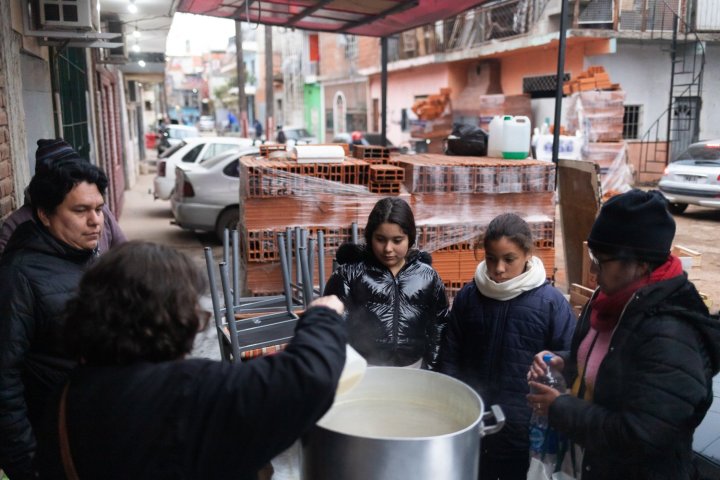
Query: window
(233, 169)
(404, 121)
(339, 111)
(631, 121)
(351, 47)
(148, 106)
(215, 149)
(192, 154)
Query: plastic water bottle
(543, 439)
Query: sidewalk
(144, 218)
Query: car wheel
(227, 219)
(677, 208)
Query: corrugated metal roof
(375, 18)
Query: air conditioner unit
(68, 14)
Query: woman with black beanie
(643, 354)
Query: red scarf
(606, 309)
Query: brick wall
(368, 52)
(7, 199)
(334, 64)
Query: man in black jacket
(39, 271)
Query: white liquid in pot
(382, 418)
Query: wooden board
(579, 194)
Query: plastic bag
(466, 140)
(566, 465)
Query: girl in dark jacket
(644, 353)
(498, 322)
(395, 301)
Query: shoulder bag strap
(67, 460)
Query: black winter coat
(38, 274)
(197, 418)
(652, 389)
(391, 320)
(490, 345)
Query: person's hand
(331, 301)
(543, 397)
(538, 367)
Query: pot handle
(496, 413)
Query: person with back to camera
(39, 271)
(48, 152)
(643, 355)
(135, 408)
(497, 323)
(395, 301)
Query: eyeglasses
(598, 262)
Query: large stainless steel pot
(400, 423)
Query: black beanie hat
(52, 150)
(636, 222)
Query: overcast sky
(197, 34)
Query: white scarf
(531, 278)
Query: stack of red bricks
(453, 199)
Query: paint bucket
(516, 138)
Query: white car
(206, 123)
(172, 135)
(207, 194)
(297, 136)
(693, 177)
(190, 150)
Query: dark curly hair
(139, 302)
(391, 210)
(49, 187)
(511, 226)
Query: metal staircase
(678, 126)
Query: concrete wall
(643, 71)
(403, 86)
(37, 102)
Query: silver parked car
(207, 194)
(693, 178)
(190, 150)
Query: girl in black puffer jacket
(395, 302)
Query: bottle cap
(547, 357)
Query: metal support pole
(288, 249)
(285, 264)
(240, 70)
(673, 57)
(311, 263)
(321, 261)
(236, 267)
(354, 230)
(226, 246)
(306, 286)
(217, 313)
(229, 314)
(383, 89)
(559, 83)
(269, 89)
(298, 266)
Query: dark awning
(375, 18)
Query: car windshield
(295, 133)
(183, 133)
(211, 162)
(708, 152)
(166, 153)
